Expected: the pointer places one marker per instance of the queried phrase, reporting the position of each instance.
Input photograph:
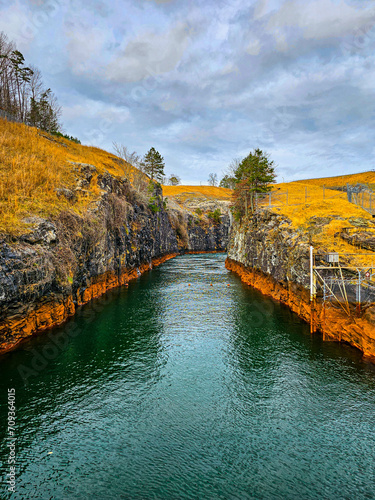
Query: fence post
(359, 294)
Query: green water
(167, 391)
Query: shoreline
(332, 323)
(54, 313)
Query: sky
(205, 82)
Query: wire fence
(299, 195)
(365, 199)
(9, 117)
(303, 195)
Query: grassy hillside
(322, 214)
(341, 180)
(33, 164)
(213, 192)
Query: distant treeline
(23, 95)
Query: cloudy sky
(206, 81)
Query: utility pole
(312, 291)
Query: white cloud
(16, 22)
(319, 19)
(149, 54)
(94, 110)
(253, 47)
(285, 75)
(228, 69)
(86, 48)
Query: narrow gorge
(66, 261)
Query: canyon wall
(68, 260)
(270, 255)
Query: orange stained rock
(56, 311)
(194, 252)
(333, 323)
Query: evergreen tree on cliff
(255, 174)
(153, 165)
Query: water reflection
(181, 386)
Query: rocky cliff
(271, 255)
(66, 260)
(200, 221)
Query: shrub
(153, 206)
(215, 216)
(66, 136)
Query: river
(188, 384)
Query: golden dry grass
(217, 193)
(32, 167)
(334, 204)
(341, 180)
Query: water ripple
(190, 385)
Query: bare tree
(133, 167)
(130, 157)
(174, 180)
(22, 95)
(228, 180)
(233, 166)
(212, 179)
(36, 83)
(6, 84)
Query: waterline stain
(164, 390)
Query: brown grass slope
(33, 164)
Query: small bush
(65, 136)
(153, 206)
(215, 216)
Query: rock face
(362, 239)
(200, 223)
(65, 262)
(270, 256)
(269, 244)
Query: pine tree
(153, 165)
(255, 174)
